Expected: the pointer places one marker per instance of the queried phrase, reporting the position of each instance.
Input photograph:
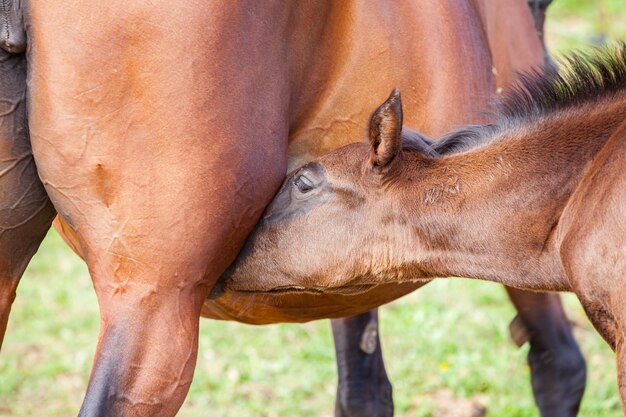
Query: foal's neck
(502, 201)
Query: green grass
(450, 335)
(573, 23)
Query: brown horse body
(133, 109)
(536, 201)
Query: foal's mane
(588, 77)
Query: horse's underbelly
(272, 308)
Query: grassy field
(448, 340)
(572, 23)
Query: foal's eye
(303, 183)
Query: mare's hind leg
(364, 389)
(25, 210)
(558, 370)
(160, 167)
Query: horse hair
(588, 78)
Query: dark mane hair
(587, 78)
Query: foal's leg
(364, 389)
(25, 210)
(618, 337)
(620, 357)
(558, 369)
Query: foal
(535, 201)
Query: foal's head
(389, 211)
(333, 226)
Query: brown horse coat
(160, 134)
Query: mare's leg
(159, 149)
(538, 9)
(364, 389)
(25, 210)
(558, 370)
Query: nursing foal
(536, 201)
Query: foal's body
(536, 201)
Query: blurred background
(446, 344)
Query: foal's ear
(386, 131)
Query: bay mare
(160, 133)
(536, 200)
